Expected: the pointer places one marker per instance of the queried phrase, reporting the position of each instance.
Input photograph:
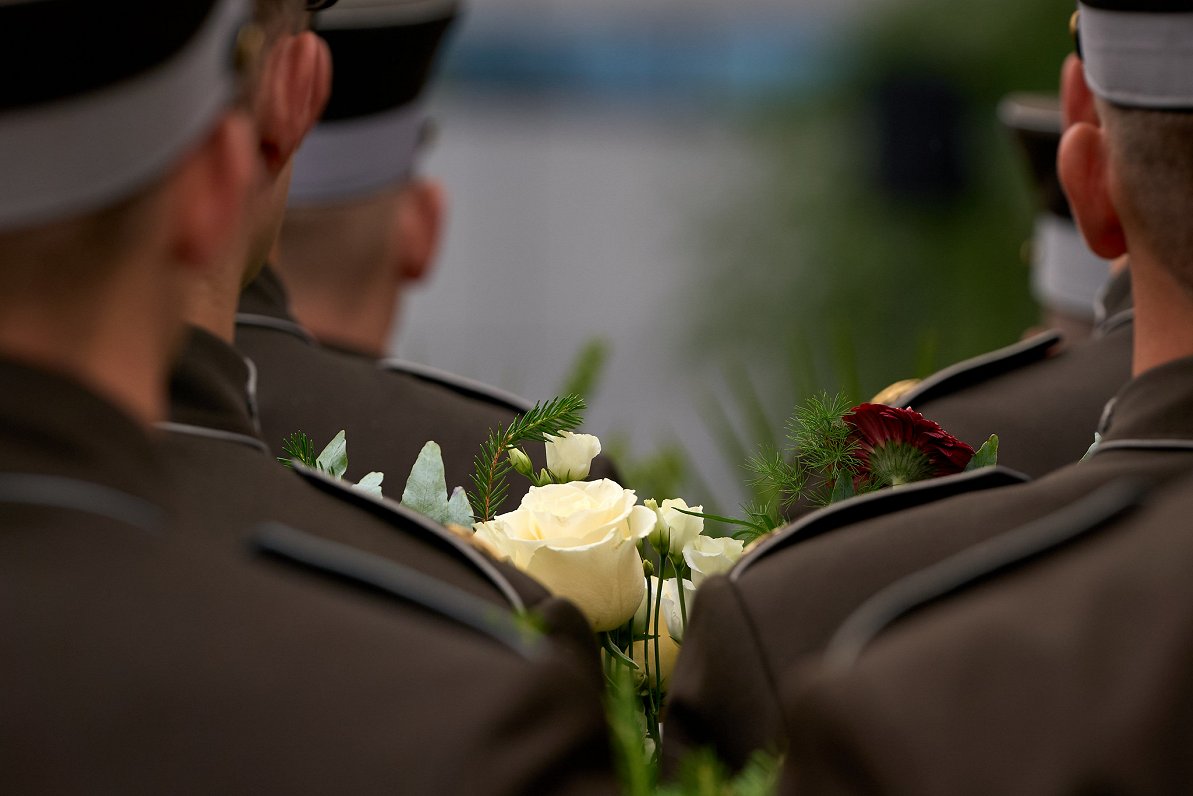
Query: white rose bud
(708, 556)
(569, 456)
(673, 612)
(674, 530)
(521, 462)
(580, 540)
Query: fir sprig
(820, 437)
(298, 446)
(776, 479)
(492, 466)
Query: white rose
(569, 456)
(674, 530)
(580, 540)
(708, 556)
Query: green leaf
(618, 655)
(459, 512)
(426, 489)
(842, 489)
(371, 483)
(987, 455)
(334, 458)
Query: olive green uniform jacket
(781, 604)
(1067, 672)
(139, 659)
(1042, 397)
(389, 409)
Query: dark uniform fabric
(783, 603)
(226, 482)
(1070, 674)
(388, 413)
(137, 659)
(1042, 398)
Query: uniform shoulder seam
(980, 368)
(877, 504)
(458, 384)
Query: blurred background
(697, 212)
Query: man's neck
(1163, 316)
(118, 345)
(211, 306)
(360, 322)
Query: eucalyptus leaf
(987, 455)
(334, 458)
(459, 511)
(426, 489)
(371, 483)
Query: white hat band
(1065, 274)
(348, 158)
(1138, 59)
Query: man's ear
(209, 191)
(1084, 165)
(419, 217)
(1076, 100)
(295, 87)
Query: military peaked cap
(383, 53)
(98, 103)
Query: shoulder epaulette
(70, 494)
(397, 514)
(979, 563)
(878, 504)
(982, 368)
(459, 384)
(389, 579)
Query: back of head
(124, 167)
(1138, 63)
(359, 223)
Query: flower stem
(658, 668)
(683, 606)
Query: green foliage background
(820, 282)
(824, 283)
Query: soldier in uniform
(781, 605)
(224, 473)
(363, 223)
(1043, 396)
(1056, 662)
(139, 657)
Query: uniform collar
(1115, 305)
(1157, 404)
(52, 425)
(266, 295)
(214, 387)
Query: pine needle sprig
(775, 478)
(298, 446)
(492, 467)
(821, 438)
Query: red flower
(898, 446)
